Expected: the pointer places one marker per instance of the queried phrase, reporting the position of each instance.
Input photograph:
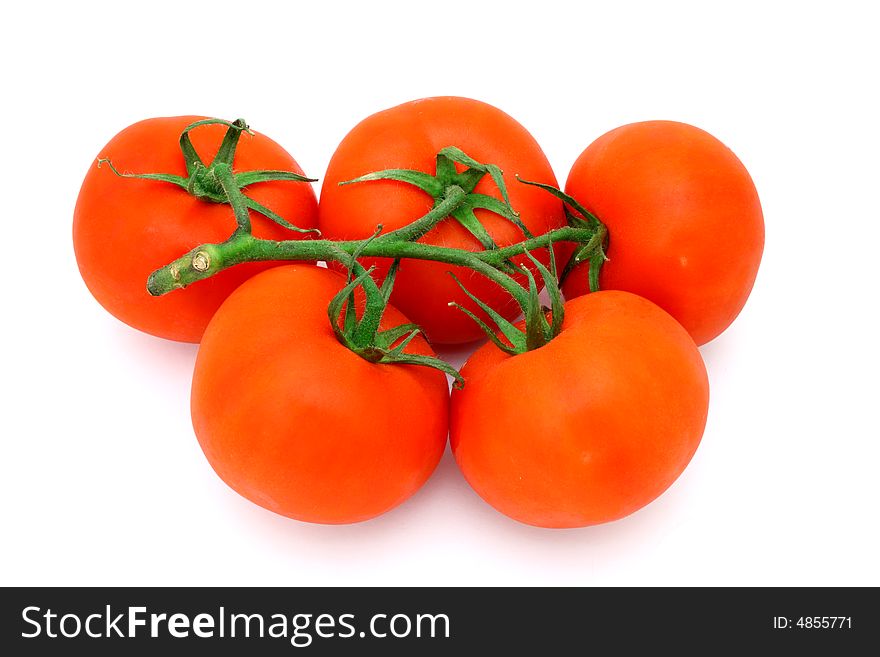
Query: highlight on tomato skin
(590, 427)
(409, 136)
(125, 228)
(297, 423)
(684, 218)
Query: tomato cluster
(332, 417)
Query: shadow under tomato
(152, 353)
(446, 511)
(718, 351)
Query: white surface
(101, 478)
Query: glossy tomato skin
(685, 222)
(124, 228)
(295, 422)
(409, 136)
(588, 428)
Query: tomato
(125, 228)
(409, 136)
(685, 223)
(588, 428)
(295, 422)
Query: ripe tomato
(409, 136)
(125, 228)
(685, 223)
(613, 411)
(295, 422)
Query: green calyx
(363, 335)
(541, 324)
(210, 182)
(448, 181)
(454, 196)
(592, 251)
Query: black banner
(419, 621)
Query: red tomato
(409, 136)
(685, 223)
(590, 427)
(295, 422)
(125, 228)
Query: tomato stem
(454, 196)
(453, 199)
(244, 247)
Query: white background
(101, 478)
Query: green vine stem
(209, 259)
(453, 191)
(454, 197)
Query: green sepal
(551, 284)
(385, 339)
(424, 181)
(246, 178)
(447, 178)
(278, 219)
(226, 153)
(460, 157)
(397, 350)
(514, 336)
(180, 181)
(537, 327)
(466, 217)
(492, 204)
(503, 346)
(597, 261)
(594, 253)
(204, 181)
(594, 250)
(227, 146)
(390, 277)
(345, 297)
(365, 330)
(425, 361)
(538, 330)
(364, 337)
(591, 220)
